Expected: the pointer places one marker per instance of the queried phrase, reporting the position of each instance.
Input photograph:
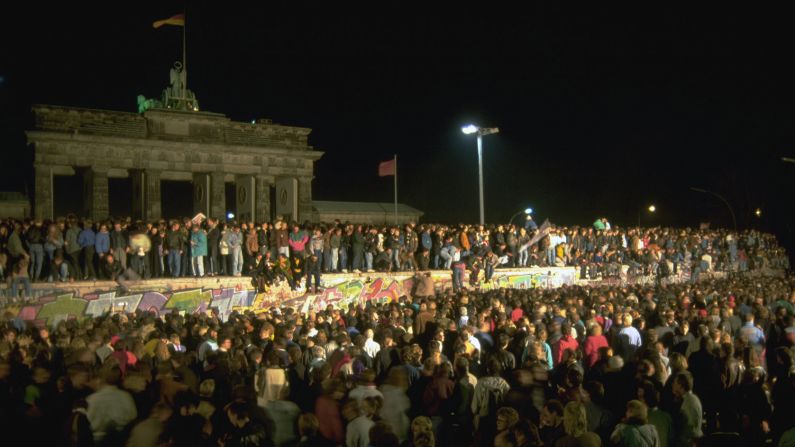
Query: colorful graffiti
(338, 290)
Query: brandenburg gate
(207, 149)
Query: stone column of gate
(201, 193)
(244, 197)
(304, 199)
(44, 199)
(138, 193)
(263, 198)
(95, 192)
(217, 196)
(152, 196)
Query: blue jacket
(86, 238)
(233, 240)
(198, 244)
(102, 242)
(427, 242)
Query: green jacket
(15, 247)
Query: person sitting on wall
(474, 265)
(111, 268)
(61, 269)
(383, 261)
(283, 270)
(298, 270)
(262, 273)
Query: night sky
(602, 110)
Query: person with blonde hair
(422, 432)
(421, 424)
(507, 417)
(575, 423)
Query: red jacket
(327, 411)
(565, 342)
(591, 349)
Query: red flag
(177, 20)
(386, 168)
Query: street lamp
(758, 212)
(527, 211)
(480, 131)
(731, 211)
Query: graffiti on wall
(337, 290)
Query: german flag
(177, 20)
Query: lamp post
(731, 211)
(480, 131)
(527, 211)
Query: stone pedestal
(44, 192)
(95, 192)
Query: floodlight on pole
(526, 211)
(480, 131)
(470, 129)
(651, 209)
(726, 202)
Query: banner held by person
(542, 231)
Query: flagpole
(396, 213)
(184, 53)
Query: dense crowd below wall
(71, 249)
(708, 363)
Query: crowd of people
(705, 363)
(72, 249)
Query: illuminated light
(528, 211)
(230, 215)
(758, 212)
(470, 129)
(652, 208)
